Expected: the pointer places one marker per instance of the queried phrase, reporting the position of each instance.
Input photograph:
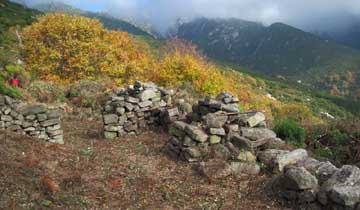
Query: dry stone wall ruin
(136, 108)
(216, 129)
(36, 120)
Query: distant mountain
(108, 21)
(349, 37)
(278, 49)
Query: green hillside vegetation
(108, 21)
(277, 50)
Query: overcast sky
(305, 14)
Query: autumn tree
(67, 48)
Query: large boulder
(340, 182)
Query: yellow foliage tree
(67, 48)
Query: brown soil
(89, 172)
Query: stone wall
(226, 142)
(137, 107)
(33, 120)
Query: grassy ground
(89, 172)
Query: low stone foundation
(226, 142)
(37, 120)
(137, 107)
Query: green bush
(290, 131)
(338, 138)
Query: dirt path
(89, 172)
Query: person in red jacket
(15, 81)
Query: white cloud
(307, 14)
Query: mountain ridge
(278, 49)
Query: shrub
(46, 91)
(290, 131)
(66, 48)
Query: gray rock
(57, 139)
(269, 156)
(232, 128)
(50, 122)
(55, 133)
(246, 156)
(347, 196)
(33, 109)
(2, 124)
(298, 178)
(120, 110)
(251, 119)
(215, 139)
(110, 119)
(172, 112)
(53, 128)
(325, 171)
(113, 128)
(6, 118)
(148, 94)
(215, 120)
(30, 117)
(41, 117)
(145, 104)
(132, 100)
(188, 142)
(129, 107)
(346, 176)
(6, 110)
(54, 113)
(217, 131)
(257, 133)
(238, 168)
(110, 135)
(232, 108)
(196, 133)
(290, 158)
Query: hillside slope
(108, 21)
(275, 50)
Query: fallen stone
(132, 100)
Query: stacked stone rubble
(313, 183)
(217, 126)
(33, 120)
(133, 109)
